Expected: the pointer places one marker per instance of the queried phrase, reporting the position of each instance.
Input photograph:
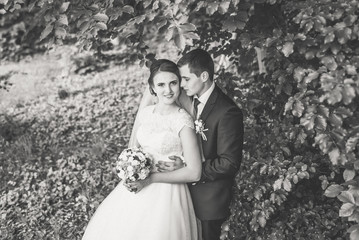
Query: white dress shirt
(203, 99)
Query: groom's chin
(188, 93)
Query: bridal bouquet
(133, 164)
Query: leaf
(353, 228)
(128, 9)
(223, 7)
(232, 23)
(192, 35)
(299, 74)
(179, 39)
(322, 110)
(333, 190)
(348, 94)
(101, 17)
(344, 35)
(329, 62)
(335, 95)
(278, 184)
(60, 32)
(187, 27)
(350, 19)
(298, 108)
(351, 143)
(356, 165)
(351, 70)
(161, 24)
(64, 7)
(258, 194)
(334, 156)
(346, 210)
(101, 25)
(169, 33)
(344, 112)
(310, 54)
(288, 49)
(346, 197)
(200, 5)
(329, 38)
(63, 20)
(335, 120)
(212, 8)
(295, 179)
(354, 235)
(307, 121)
(348, 174)
(311, 76)
(321, 123)
(46, 31)
(84, 26)
(287, 185)
(262, 221)
(288, 106)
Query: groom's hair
(198, 61)
(162, 65)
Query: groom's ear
(204, 76)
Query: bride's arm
(193, 169)
(190, 173)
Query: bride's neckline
(165, 114)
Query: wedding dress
(160, 211)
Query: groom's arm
(229, 148)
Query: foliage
(300, 101)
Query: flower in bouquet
(133, 164)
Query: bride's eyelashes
(173, 83)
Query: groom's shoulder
(225, 101)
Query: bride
(159, 207)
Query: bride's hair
(162, 65)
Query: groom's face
(192, 84)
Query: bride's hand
(138, 185)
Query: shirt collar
(205, 96)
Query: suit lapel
(210, 104)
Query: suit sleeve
(229, 148)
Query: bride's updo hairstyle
(162, 65)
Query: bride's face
(167, 87)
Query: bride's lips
(169, 96)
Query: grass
(60, 133)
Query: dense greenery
(292, 67)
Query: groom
(222, 143)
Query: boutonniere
(199, 127)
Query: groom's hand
(163, 166)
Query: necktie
(196, 102)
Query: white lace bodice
(158, 134)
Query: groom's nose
(182, 83)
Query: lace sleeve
(184, 119)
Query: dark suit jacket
(223, 153)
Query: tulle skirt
(161, 211)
